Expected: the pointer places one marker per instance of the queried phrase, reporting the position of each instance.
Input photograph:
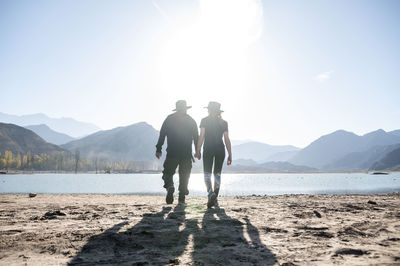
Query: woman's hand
(228, 147)
(229, 161)
(197, 155)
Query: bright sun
(207, 60)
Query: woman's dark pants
(210, 158)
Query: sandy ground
(142, 230)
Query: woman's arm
(228, 147)
(200, 143)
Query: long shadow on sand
(156, 239)
(221, 241)
(160, 238)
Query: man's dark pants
(185, 166)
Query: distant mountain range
(244, 162)
(395, 132)
(50, 135)
(328, 151)
(131, 143)
(236, 142)
(21, 140)
(390, 161)
(363, 160)
(64, 125)
(338, 151)
(282, 156)
(260, 152)
(269, 167)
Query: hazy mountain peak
(142, 124)
(254, 144)
(376, 132)
(128, 143)
(39, 126)
(336, 136)
(50, 135)
(395, 132)
(341, 132)
(21, 140)
(391, 161)
(68, 126)
(37, 115)
(327, 148)
(259, 151)
(332, 147)
(134, 126)
(380, 137)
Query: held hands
(229, 160)
(197, 155)
(158, 155)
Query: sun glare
(208, 58)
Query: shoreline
(193, 172)
(161, 194)
(300, 229)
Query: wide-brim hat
(214, 107)
(181, 105)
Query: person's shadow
(156, 239)
(221, 241)
(161, 238)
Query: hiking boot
(170, 195)
(211, 199)
(181, 199)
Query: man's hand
(158, 155)
(229, 161)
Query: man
(181, 131)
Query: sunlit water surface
(232, 184)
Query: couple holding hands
(181, 131)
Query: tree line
(69, 162)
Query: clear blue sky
(286, 72)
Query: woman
(212, 128)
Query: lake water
(232, 184)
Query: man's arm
(161, 139)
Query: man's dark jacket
(181, 131)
